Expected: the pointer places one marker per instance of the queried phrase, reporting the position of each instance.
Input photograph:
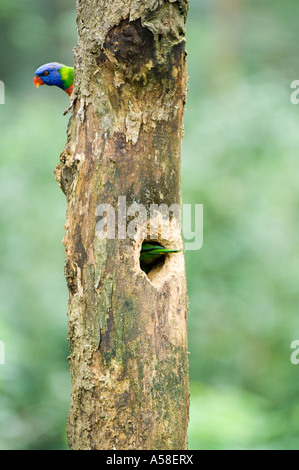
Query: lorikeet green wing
(151, 254)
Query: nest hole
(151, 262)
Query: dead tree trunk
(127, 329)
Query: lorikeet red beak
(37, 81)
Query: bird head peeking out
(55, 74)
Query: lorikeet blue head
(55, 74)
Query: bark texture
(127, 330)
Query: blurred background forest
(238, 159)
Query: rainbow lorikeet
(151, 254)
(55, 74)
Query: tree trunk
(127, 329)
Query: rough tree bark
(127, 329)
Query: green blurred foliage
(239, 160)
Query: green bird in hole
(151, 254)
